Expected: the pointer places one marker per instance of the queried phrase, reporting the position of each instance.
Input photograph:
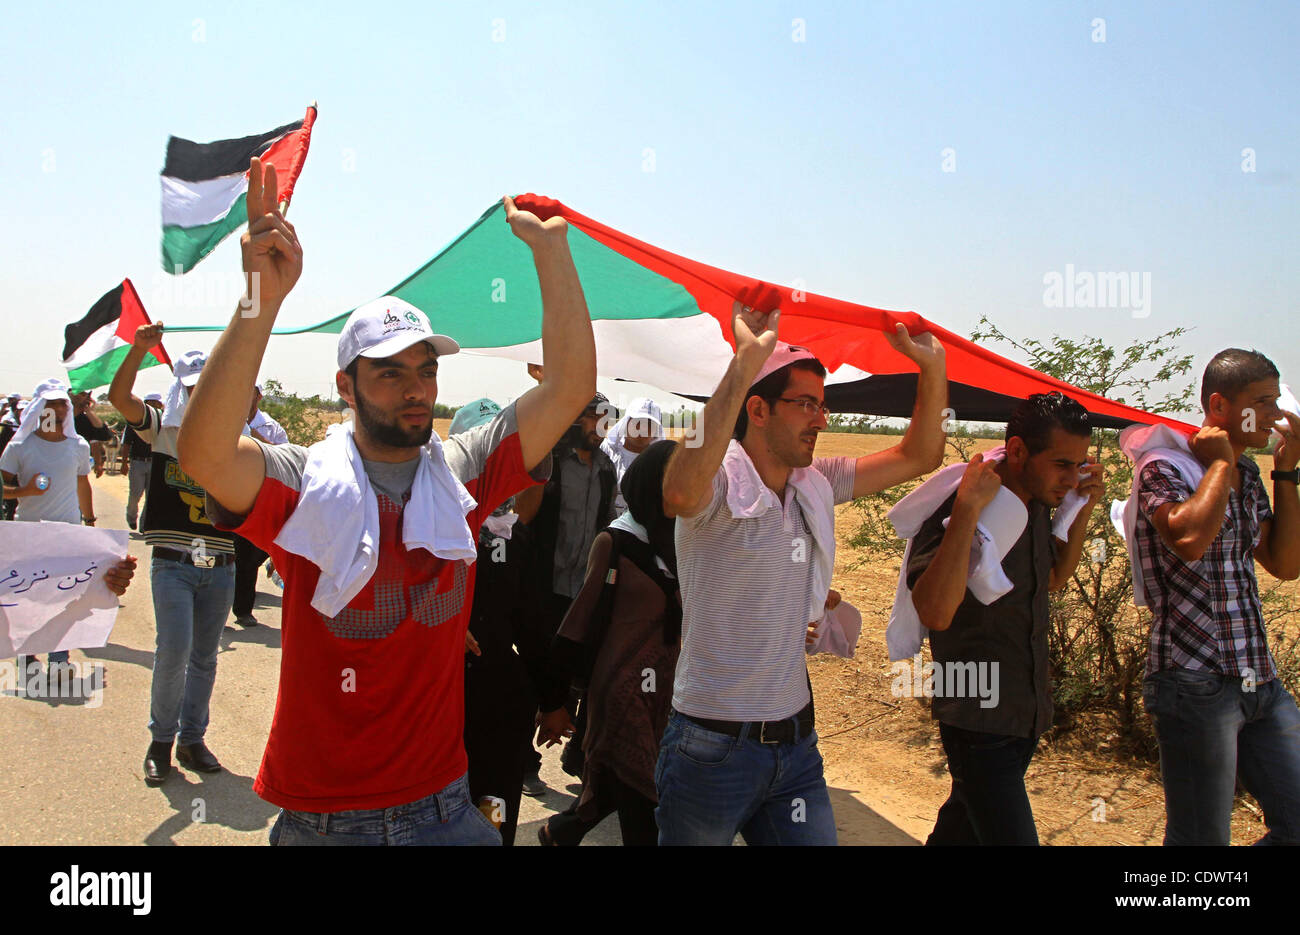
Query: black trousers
(248, 559)
(498, 736)
(636, 816)
(554, 608)
(988, 803)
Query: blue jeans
(712, 786)
(190, 606)
(988, 803)
(1213, 730)
(137, 484)
(446, 817)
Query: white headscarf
(48, 391)
(643, 407)
(186, 373)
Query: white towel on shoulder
(335, 525)
(748, 496)
(1144, 444)
(1000, 525)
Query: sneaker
(534, 786)
(247, 620)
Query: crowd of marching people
(551, 575)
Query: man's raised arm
(211, 447)
(119, 391)
(921, 449)
(688, 478)
(568, 346)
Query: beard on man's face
(390, 432)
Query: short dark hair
(772, 386)
(1033, 420)
(1231, 371)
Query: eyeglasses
(811, 407)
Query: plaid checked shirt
(1206, 614)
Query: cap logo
(408, 321)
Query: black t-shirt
(89, 432)
(1012, 631)
(137, 448)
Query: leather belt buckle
(762, 733)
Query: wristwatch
(1292, 475)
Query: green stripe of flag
(99, 372)
(185, 246)
(482, 288)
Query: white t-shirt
(64, 461)
(745, 598)
(269, 429)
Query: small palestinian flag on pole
(93, 348)
(204, 186)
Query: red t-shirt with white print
(371, 705)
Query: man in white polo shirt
(755, 548)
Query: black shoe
(157, 763)
(31, 677)
(197, 757)
(534, 786)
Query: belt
(173, 555)
(783, 731)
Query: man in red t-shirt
(373, 530)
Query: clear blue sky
(819, 160)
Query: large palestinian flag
(204, 186)
(665, 320)
(93, 348)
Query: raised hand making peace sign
(272, 253)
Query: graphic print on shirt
(429, 606)
(191, 494)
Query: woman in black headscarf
(621, 637)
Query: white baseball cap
(153, 397)
(784, 355)
(188, 367)
(385, 327)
